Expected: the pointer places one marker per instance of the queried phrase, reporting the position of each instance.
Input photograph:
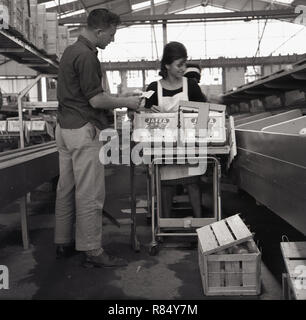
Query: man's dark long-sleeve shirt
(79, 80)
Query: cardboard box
(33, 24)
(63, 39)
(215, 133)
(16, 15)
(155, 127)
(41, 28)
(27, 28)
(4, 14)
(3, 126)
(38, 125)
(52, 27)
(13, 126)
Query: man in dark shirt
(81, 116)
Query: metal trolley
(164, 227)
(181, 226)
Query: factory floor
(172, 274)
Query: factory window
(211, 76)
(114, 80)
(134, 79)
(51, 83)
(152, 75)
(252, 73)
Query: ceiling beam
(238, 5)
(112, 5)
(196, 17)
(67, 8)
(205, 63)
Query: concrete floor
(172, 274)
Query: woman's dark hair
(172, 51)
(193, 71)
(102, 18)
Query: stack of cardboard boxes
(33, 25)
(63, 39)
(15, 8)
(41, 34)
(39, 27)
(52, 27)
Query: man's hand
(130, 94)
(133, 103)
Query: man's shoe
(65, 251)
(103, 260)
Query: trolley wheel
(153, 250)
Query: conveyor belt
(271, 164)
(292, 78)
(23, 170)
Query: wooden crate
(294, 254)
(224, 272)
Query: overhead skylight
(54, 3)
(70, 14)
(284, 1)
(147, 4)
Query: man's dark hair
(102, 19)
(172, 51)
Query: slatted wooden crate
(294, 282)
(225, 273)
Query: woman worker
(168, 91)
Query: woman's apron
(171, 104)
